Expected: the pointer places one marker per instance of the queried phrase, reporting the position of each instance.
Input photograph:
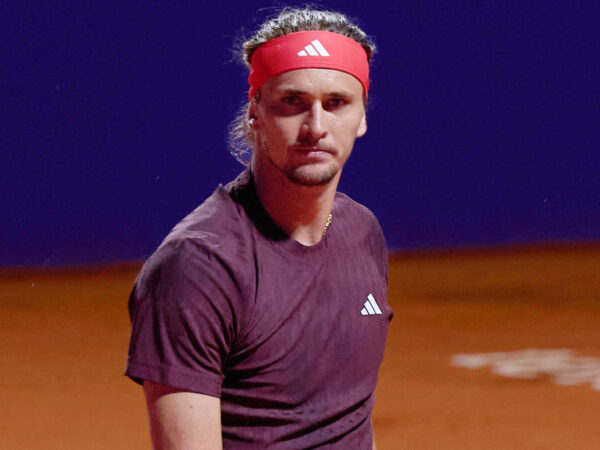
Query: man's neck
(302, 212)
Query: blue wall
(483, 126)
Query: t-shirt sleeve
(182, 318)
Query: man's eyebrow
(290, 91)
(343, 94)
(293, 91)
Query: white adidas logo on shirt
(315, 48)
(371, 307)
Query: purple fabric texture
(229, 306)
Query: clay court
(64, 339)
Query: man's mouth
(312, 150)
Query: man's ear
(362, 127)
(252, 114)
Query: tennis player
(261, 320)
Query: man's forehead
(315, 81)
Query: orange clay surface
(64, 334)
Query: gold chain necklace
(329, 217)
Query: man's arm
(182, 420)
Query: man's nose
(314, 124)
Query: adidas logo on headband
(315, 48)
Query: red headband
(306, 50)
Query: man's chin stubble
(299, 176)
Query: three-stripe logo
(315, 48)
(371, 307)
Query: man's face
(305, 124)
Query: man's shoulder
(358, 226)
(218, 230)
(214, 219)
(353, 211)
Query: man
(260, 321)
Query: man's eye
(291, 100)
(335, 102)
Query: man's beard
(304, 176)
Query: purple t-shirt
(289, 337)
